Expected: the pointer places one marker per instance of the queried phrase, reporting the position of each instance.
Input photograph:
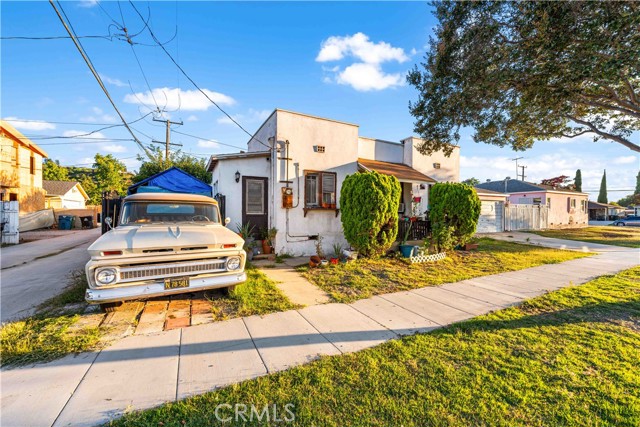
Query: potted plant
(337, 250)
(407, 250)
(245, 230)
(268, 236)
(471, 245)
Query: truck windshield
(162, 212)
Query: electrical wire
(194, 83)
(207, 139)
(78, 44)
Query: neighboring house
(21, 170)
(64, 195)
(567, 208)
(491, 218)
(604, 211)
(291, 175)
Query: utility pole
(167, 142)
(516, 160)
(523, 168)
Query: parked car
(630, 220)
(165, 243)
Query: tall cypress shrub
(578, 180)
(369, 211)
(602, 196)
(454, 214)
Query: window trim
(320, 190)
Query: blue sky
(344, 61)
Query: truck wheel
(228, 289)
(110, 307)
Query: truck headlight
(106, 276)
(233, 263)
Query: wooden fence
(525, 217)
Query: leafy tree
(471, 181)
(637, 183)
(190, 164)
(455, 209)
(534, 70)
(577, 181)
(369, 211)
(602, 196)
(630, 200)
(561, 181)
(52, 171)
(109, 174)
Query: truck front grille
(160, 271)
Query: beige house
(64, 195)
(21, 169)
(295, 164)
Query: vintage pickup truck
(165, 243)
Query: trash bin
(65, 222)
(87, 221)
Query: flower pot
(324, 263)
(315, 258)
(313, 264)
(334, 261)
(406, 250)
(470, 246)
(266, 249)
(333, 205)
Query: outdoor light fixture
(237, 176)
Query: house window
(254, 197)
(573, 203)
(320, 189)
(436, 165)
(537, 201)
(549, 202)
(32, 165)
(583, 205)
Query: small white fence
(9, 218)
(525, 217)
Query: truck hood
(152, 238)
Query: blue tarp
(173, 180)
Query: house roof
(213, 160)
(60, 188)
(517, 186)
(491, 192)
(16, 134)
(399, 170)
(596, 205)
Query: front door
(254, 203)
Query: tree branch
(632, 93)
(606, 135)
(611, 107)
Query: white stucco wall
(377, 149)
(449, 166)
(73, 199)
(559, 215)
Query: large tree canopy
(517, 72)
(157, 163)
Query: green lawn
(571, 358)
(619, 236)
(365, 277)
(57, 328)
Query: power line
(207, 139)
(193, 82)
(86, 142)
(78, 45)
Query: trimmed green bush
(369, 211)
(454, 213)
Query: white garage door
(491, 217)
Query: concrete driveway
(36, 271)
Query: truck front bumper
(156, 289)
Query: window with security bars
(320, 189)
(254, 197)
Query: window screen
(255, 197)
(311, 189)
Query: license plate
(176, 282)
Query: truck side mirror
(108, 221)
(227, 220)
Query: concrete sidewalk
(140, 372)
(549, 242)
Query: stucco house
(567, 208)
(64, 195)
(291, 174)
(604, 211)
(21, 169)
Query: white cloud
(365, 77)
(625, 160)
(192, 118)
(112, 81)
(29, 125)
(87, 3)
(359, 46)
(208, 143)
(366, 73)
(175, 98)
(252, 116)
(114, 148)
